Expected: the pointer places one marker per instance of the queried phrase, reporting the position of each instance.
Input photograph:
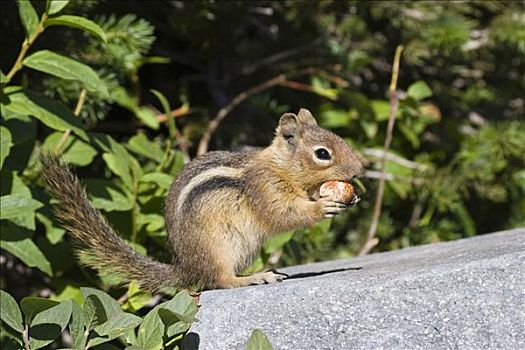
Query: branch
(176, 113)
(237, 100)
(78, 109)
(25, 47)
(25, 338)
(297, 86)
(281, 79)
(371, 240)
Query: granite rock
(466, 294)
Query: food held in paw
(338, 190)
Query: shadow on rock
(320, 273)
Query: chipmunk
(220, 209)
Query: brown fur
(219, 210)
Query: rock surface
(466, 294)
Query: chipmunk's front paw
(331, 207)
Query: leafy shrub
(93, 320)
(88, 89)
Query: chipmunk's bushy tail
(100, 245)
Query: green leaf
(128, 101)
(31, 306)
(114, 327)
(119, 167)
(110, 305)
(141, 145)
(10, 312)
(137, 298)
(381, 109)
(77, 22)
(176, 326)
(409, 133)
(124, 99)
(54, 233)
(75, 151)
(401, 189)
(370, 128)
(28, 17)
(24, 248)
(258, 341)
(419, 90)
(154, 222)
(151, 330)
(5, 144)
(56, 116)
(77, 325)
(162, 180)
(178, 313)
(108, 196)
(12, 206)
(19, 188)
(167, 110)
(68, 291)
(119, 160)
(3, 78)
(55, 6)
(156, 60)
(94, 312)
(276, 242)
(66, 68)
(163, 101)
(183, 305)
(147, 116)
(49, 324)
(335, 118)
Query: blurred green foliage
(455, 168)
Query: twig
(297, 86)
(176, 113)
(123, 298)
(281, 79)
(237, 100)
(25, 47)
(309, 88)
(80, 102)
(78, 109)
(25, 337)
(371, 240)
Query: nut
(338, 190)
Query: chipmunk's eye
(323, 154)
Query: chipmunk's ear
(291, 125)
(305, 117)
(289, 128)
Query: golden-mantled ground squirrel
(220, 209)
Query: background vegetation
(130, 91)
